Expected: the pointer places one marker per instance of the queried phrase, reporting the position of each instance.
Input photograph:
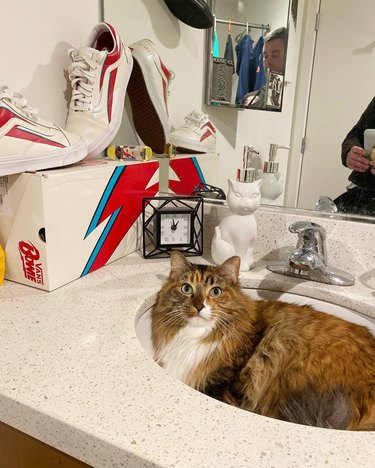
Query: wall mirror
(322, 114)
(325, 106)
(236, 75)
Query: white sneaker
(197, 134)
(148, 93)
(28, 143)
(99, 76)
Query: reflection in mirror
(316, 167)
(246, 54)
(319, 107)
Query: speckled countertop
(73, 374)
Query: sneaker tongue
(91, 54)
(194, 118)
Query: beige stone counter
(74, 375)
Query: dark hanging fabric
(260, 76)
(245, 53)
(229, 53)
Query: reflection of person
(273, 59)
(360, 198)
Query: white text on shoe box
(61, 224)
(183, 173)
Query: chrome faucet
(309, 259)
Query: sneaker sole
(100, 144)
(37, 162)
(192, 146)
(145, 116)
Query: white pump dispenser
(273, 184)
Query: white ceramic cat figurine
(237, 233)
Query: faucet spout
(309, 260)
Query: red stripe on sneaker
(113, 56)
(166, 72)
(6, 115)
(24, 134)
(205, 135)
(111, 87)
(210, 125)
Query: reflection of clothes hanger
(245, 32)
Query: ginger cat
(276, 359)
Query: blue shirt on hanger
(260, 76)
(245, 53)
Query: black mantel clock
(172, 223)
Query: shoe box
(60, 224)
(184, 172)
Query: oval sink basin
(143, 325)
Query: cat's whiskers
(229, 329)
(171, 318)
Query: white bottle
(273, 183)
(236, 234)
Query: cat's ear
(179, 265)
(259, 182)
(230, 269)
(231, 183)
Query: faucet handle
(310, 236)
(302, 227)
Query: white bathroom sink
(143, 325)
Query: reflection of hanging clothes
(216, 52)
(260, 76)
(229, 54)
(244, 51)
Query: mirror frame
(209, 62)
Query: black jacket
(355, 138)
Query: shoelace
(18, 100)
(195, 118)
(82, 77)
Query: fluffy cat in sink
(276, 359)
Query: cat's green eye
(215, 292)
(187, 288)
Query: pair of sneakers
(99, 75)
(100, 81)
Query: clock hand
(173, 225)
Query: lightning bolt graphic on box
(189, 175)
(120, 205)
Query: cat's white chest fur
(185, 351)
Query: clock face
(172, 223)
(175, 229)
